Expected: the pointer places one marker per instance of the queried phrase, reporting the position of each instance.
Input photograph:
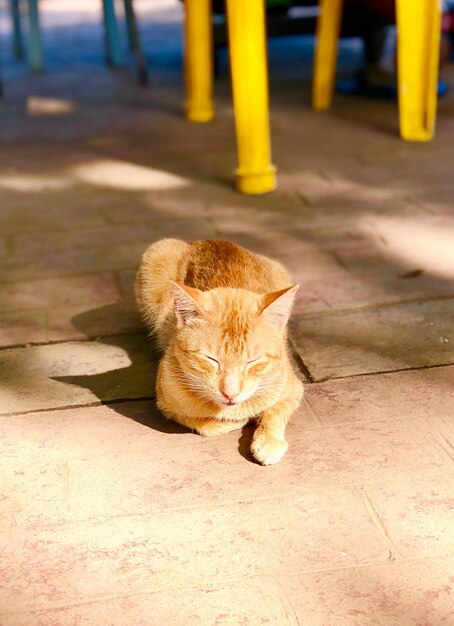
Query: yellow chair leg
(325, 59)
(198, 61)
(248, 62)
(418, 51)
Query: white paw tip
(268, 453)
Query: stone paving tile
(356, 454)
(232, 221)
(405, 593)
(418, 515)
(90, 260)
(72, 262)
(371, 277)
(16, 218)
(348, 291)
(30, 244)
(317, 186)
(151, 228)
(208, 198)
(358, 235)
(413, 277)
(68, 374)
(36, 490)
(249, 602)
(126, 280)
(413, 593)
(24, 327)
(424, 244)
(78, 322)
(353, 277)
(339, 289)
(196, 227)
(444, 427)
(38, 326)
(171, 549)
(144, 463)
(337, 187)
(55, 292)
(422, 394)
(394, 337)
(351, 211)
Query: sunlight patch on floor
(322, 185)
(128, 176)
(33, 183)
(37, 106)
(424, 245)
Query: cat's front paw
(213, 427)
(266, 449)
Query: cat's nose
(230, 387)
(231, 399)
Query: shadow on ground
(120, 387)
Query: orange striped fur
(219, 314)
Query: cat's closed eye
(256, 364)
(212, 359)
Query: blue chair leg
(18, 42)
(114, 56)
(130, 23)
(36, 57)
(134, 42)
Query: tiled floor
(112, 516)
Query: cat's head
(230, 343)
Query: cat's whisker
(200, 392)
(196, 388)
(194, 384)
(268, 386)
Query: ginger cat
(219, 313)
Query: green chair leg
(35, 48)
(18, 41)
(114, 56)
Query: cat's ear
(187, 302)
(277, 305)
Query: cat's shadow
(245, 441)
(130, 390)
